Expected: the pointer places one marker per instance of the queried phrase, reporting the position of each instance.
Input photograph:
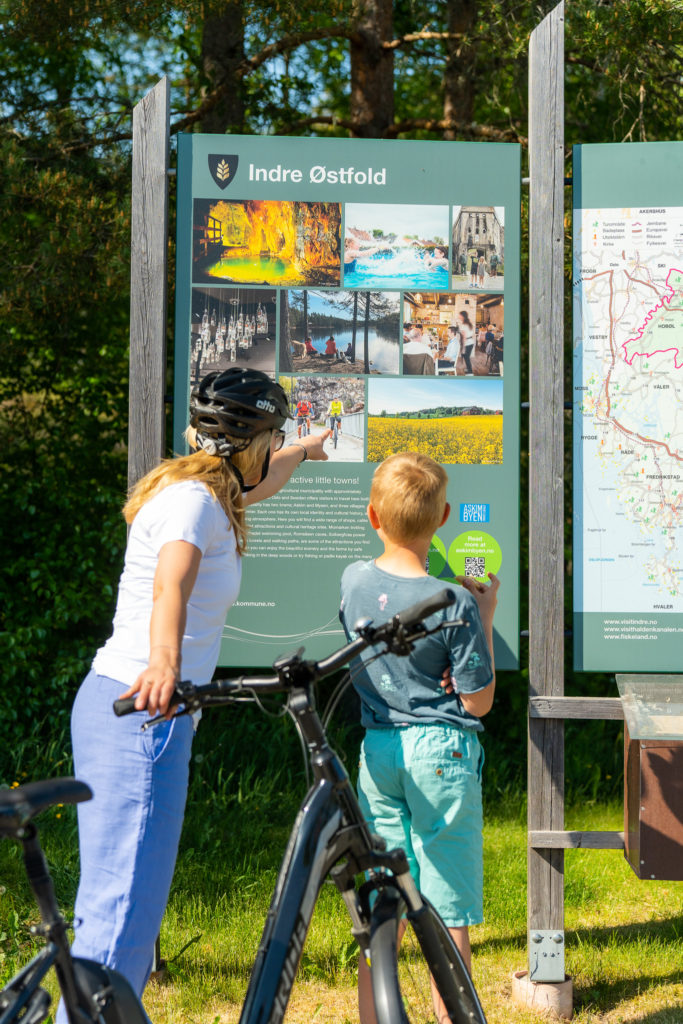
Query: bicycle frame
(329, 826)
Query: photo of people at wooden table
(264, 241)
(478, 247)
(451, 334)
(335, 331)
(232, 327)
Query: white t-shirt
(467, 334)
(184, 511)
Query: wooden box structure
(653, 775)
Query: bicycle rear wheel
(427, 982)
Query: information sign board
(379, 282)
(628, 406)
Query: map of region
(628, 409)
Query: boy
(420, 775)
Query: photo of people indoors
(453, 334)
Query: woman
(466, 331)
(481, 271)
(181, 574)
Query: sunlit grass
(624, 937)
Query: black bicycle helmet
(230, 407)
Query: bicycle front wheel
(417, 972)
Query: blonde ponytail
(212, 471)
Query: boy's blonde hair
(408, 494)
(210, 470)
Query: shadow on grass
(603, 995)
(643, 934)
(668, 930)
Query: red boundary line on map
(649, 316)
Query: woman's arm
(174, 578)
(283, 464)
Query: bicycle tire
(401, 978)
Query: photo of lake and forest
(337, 331)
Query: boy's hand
(447, 681)
(485, 595)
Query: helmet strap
(240, 479)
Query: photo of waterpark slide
(232, 327)
(319, 397)
(478, 247)
(396, 246)
(262, 241)
(453, 421)
(347, 331)
(427, 317)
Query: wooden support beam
(148, 260)
(602, 708)
(546, 464)
(576, 840)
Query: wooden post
(149, 233)
(546, 480)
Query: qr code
(475, 566)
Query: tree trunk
(305, 314)
(459, 76)
(355, 327)
(372, 69)
(366, 327)
(222, 53)
(285, 335)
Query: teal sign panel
(628, 402)
(377, 281)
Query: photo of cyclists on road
(448, 334)
(263, 241)
(328, 403)
(395, 246)
(232, 327)
(478, 247)
(336, 331)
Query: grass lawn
(624, 937)
(624, 942)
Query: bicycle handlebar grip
(423, 609)
(124, 707)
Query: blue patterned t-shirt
(398, 690)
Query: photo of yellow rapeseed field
(453, 421)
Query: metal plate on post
(546, 955)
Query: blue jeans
(129, 831)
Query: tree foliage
(70, 73)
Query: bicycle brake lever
(162, 718)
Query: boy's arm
(481, 702)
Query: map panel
(628, 436)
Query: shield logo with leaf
(223, 168)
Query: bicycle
(93, 993)
(303, 425)
(335, 426)
(331, 838)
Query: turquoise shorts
(419, 786)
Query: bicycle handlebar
(292, 669)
